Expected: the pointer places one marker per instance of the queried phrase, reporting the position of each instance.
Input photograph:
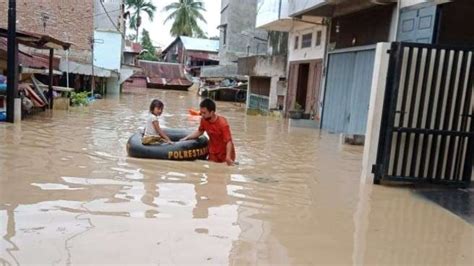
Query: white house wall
(310, 53)
(269, 11)
(299, 6)
(108, 50)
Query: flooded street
(70, 195)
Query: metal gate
(427, 127)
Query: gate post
(388, 113)
(377, 93)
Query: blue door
(417, 24)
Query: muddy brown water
(70, 195)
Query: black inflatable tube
(189, 150)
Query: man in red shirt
(221, 147)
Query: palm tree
(185, 15)
(138, 7)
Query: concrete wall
(270, 11)
(67, 20)
(310, 53)
(406, 3)
(374, 119)
(114, 9)
(298, 6)
(108, 50)
(113, 86)
(273, 67)
(240, 17)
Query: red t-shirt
(219, 136)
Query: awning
(41, 71)
(86, 69)
(36, 40)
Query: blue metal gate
(347, 94)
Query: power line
(100, 14)
(111, 20)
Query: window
(297, 42)
(319, 36)
(307, 40)
(224, 34)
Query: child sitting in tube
(153, 133)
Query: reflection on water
(70, 195)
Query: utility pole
(92, 40)
(12, 76)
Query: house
(238, 38)
(306, 49)
(131, 52)
(109, 42)
(194, 53)
(332, 48)
(162, 75)
(266, 74)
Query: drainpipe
(325, 67)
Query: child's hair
(156, 103)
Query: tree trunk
(136, 37)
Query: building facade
(238, 38)
(194, 53)
(68, 20)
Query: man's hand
(184, 139)
(229, 161)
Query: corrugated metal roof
(38, 61)
(86, 69)
(196, 44)
(164, 73)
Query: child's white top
(149, 128)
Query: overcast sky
(160, 32)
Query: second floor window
(297, 42)
(319, 36)
(224, 34)
(307, 40)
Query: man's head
(208, 109)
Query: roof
(196, 44)
(161, 73)
(38, 41)
(26, 60)
(86, 69)
(133, 47)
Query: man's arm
(196, 134)
(228, 158)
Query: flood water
(70, 195)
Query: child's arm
(156, 124)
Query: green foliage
(79, 98)
(137, 7)
(185, 15)
(149, 50)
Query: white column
(273, 92)
(375, 111)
